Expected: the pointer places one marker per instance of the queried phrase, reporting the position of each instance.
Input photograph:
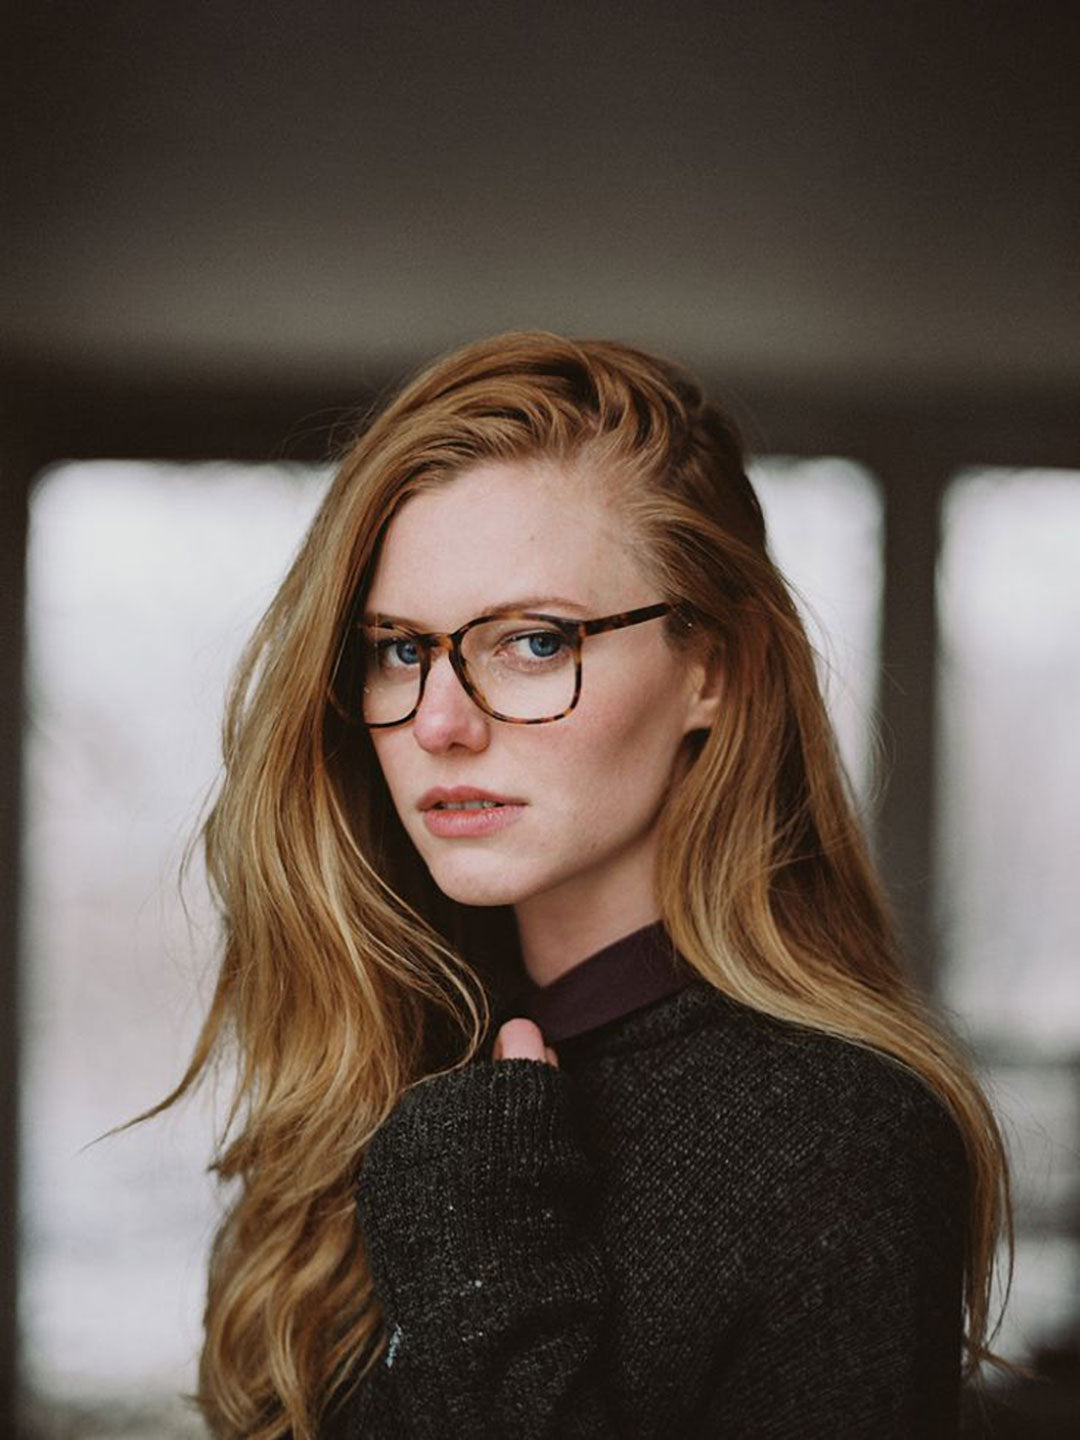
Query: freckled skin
(578, 864)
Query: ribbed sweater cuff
(476, 1173)
(514, 1109)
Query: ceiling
(857, 193)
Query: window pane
(144, 581)
(1007, 841)
(1008, 823)
(825, 526)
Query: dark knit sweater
(705, 1222)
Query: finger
(519, 1039)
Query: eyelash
(381, 646)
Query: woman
(582, 1088)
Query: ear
(704, 689)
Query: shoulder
(792, 1105)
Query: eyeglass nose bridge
(431, 647)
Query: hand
(521, 1039)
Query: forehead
(497, 533)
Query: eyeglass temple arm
(629, 617)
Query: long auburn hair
(346, 976)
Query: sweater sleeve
(473, 1202)
(855, 1325)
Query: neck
(556, 936)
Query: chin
(476, 889)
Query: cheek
(612, 762)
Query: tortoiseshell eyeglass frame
(574, 630)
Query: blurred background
(231, 227)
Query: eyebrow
(526, 602)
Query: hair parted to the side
(347, 977)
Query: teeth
(466, 804)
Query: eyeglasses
(522, 674)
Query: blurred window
(824, 520)
(1008, 842)
(144, 581)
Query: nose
(448, 715)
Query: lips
(440, 794)
(465, 824)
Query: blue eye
(543, 635)
(531, 648)
(383, 649)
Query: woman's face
(592, 782)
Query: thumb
(521, 1039)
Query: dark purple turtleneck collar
(631, 972)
